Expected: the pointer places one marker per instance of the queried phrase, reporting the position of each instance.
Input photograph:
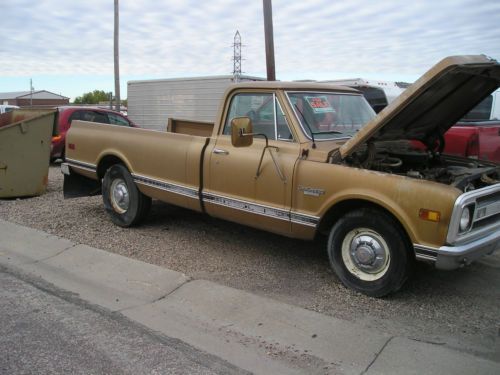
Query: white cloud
(314, 38)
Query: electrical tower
(237, 57)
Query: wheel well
(335, 212)
(105, 163)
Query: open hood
(433, 104)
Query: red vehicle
(67, 114)
(476, 135)
(478, 140)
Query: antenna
(237, 57)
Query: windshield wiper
(331, 132)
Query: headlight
(465, 219)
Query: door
(238, 188)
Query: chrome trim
(220, 151)
(452, 257)
(425, 258)
(425, 252)
(237, 204)
(308, 220)
(246, 206)
(464, 200)
(82, 165)
(258, 209)
(489, 210)
(275, 117)
(166, 186)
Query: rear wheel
(369, 252)
(123, 201)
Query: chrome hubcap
(120, 199)
(365, 254)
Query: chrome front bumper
(452, 257)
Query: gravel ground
(460, 308)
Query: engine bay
(405, 159)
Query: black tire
(370, 252)
(128, 206)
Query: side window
(261, 109)
(77, 115)
(100, 117)
(87, 116)
(117, 120)
(92, 116)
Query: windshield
(330, 115)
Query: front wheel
(123, 201)
(369, 252)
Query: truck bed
(146, 155)
(189, 127)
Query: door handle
(219, 151)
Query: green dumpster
(25, 138)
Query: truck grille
(486, 216)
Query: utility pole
(268, 32)
(117, 65)
(31, 92)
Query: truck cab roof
(285, 85)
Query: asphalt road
(44, 330)
(459, 309)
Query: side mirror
(241, 132)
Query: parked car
(66, 114)
(4, 108)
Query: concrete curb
(252, 332)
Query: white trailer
(152, 102)
(378, 93)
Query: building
(39, 98)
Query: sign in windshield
(319, 104)
(330, 115)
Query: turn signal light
(429, 215)
(56, 138)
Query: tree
(93, 97)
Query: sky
(66, 47)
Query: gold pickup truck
(303, 159)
